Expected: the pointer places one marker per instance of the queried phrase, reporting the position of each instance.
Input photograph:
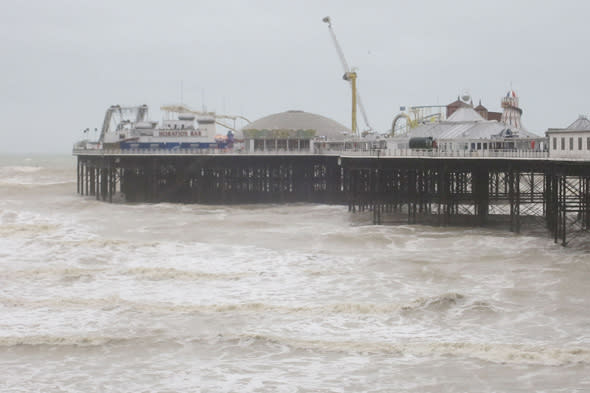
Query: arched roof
(300, 120)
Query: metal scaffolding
(435, 191)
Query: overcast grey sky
(65, 61)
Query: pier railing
(198, 152)
(524, 154)
(450, 154)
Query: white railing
(524, 154)
(196, 152)
(529, 154)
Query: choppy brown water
(271, 298)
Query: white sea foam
(34, 175)
(76, 340)
(418, 306)
(19, 169)
(492, 352)
(502, 353)
(254, 294)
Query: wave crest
(491, 352)
(436, 303)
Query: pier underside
(510, 193)
(213, 179)
(477, 192)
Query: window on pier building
(580, 143)
(588, 143)
(562, 143)
(554, 143)
(571, 143)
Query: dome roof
(300, 120)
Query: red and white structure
(512, 112)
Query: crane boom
(348, 77)
(337, 45)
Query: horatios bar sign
(177, 133)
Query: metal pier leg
(78, 175)
(563, 211)
(587, 204)
(98, 189)
(412, 196)
(517, 204)
(555, 218)
(111, 185)
(86, 180)
(511, 197)
(481, 194)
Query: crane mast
(351, 77)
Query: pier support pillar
(481, 194)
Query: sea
(121, 297)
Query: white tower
(512, 112)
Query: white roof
(581, 124)
(465, 114)
(468, 129)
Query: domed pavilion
(292, 130)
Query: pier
(472, 191)
(511, 190)
(212, 178)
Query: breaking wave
(502, 353)
(154, 274)
(19, 169)
(22, 175)
(113, 302)
(82, 340)
(177, 274)
(435, 303)
(505, 353)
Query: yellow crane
(350, 76)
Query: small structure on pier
(572, 142)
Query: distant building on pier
(475, 129)
(572, 141)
